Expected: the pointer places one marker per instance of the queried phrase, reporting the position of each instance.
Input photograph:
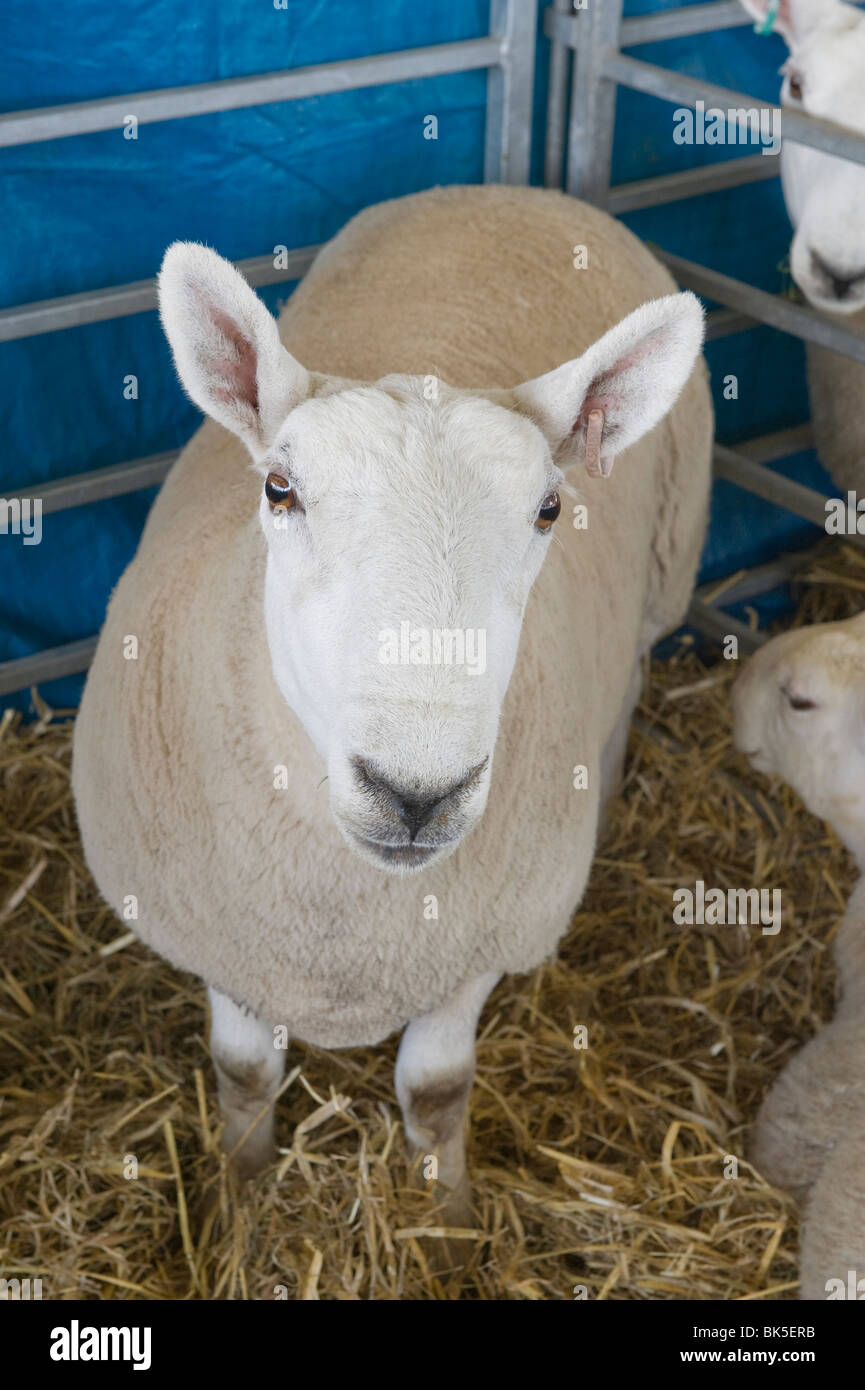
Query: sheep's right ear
(226, 345)
(794, 19)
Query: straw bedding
(605, 1167)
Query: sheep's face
(405, 523)
(799, 712)
(824, 77)
(398, 570)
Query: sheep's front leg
(435, 1069)
(248, 1072)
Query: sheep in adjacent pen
(825, 196)
(799, 711)
(328, 744)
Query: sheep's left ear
(594, 407)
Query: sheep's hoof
(448, 1256)
(253, 1155)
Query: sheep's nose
(841, 282)
(416, 808)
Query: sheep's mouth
(830, 304)
(410, 857)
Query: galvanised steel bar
(231, 94)
(714, 622)
(557, 101)
(683, 22)
(669, 24)
(79, 489)
(690, 183)
(672, 86)
(48, 665)
(510, 85)
(803, 501)
(721, 323)
(797, 319)
(761, 579)
(94, 306)
(780, 444)
(593, 103)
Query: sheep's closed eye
(798, 702)
(548, 511)
(280, 493)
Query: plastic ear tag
(771, 15)
(596, 467)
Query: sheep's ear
(226, 345)
(794, 19)
(594, 407)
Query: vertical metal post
(510, 86)
(593, 103)
(557, 105)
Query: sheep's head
(825, 77)
(405, 523)
(799, 712)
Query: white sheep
(825, 196)
(799, 712)
(291, 745)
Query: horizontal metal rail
(49, 665)
(690, 183)
(780, 444)
(759, 580)
(714, 622)
(79, 489)
(763, 482)
(721, 323)
(669, 85)
(682, 22)
(797, 319)
(235, 93)
(94, 306)
(743, 466)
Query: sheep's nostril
(414, 809)
(842, 282)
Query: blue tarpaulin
(93, 211)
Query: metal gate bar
(139, 296)
(235, 93)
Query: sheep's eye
(796, 86)
(279, 492)
(549, 510)
(799, 701)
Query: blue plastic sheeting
(92, 211)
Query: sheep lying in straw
(285, 776)
(799, 710)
